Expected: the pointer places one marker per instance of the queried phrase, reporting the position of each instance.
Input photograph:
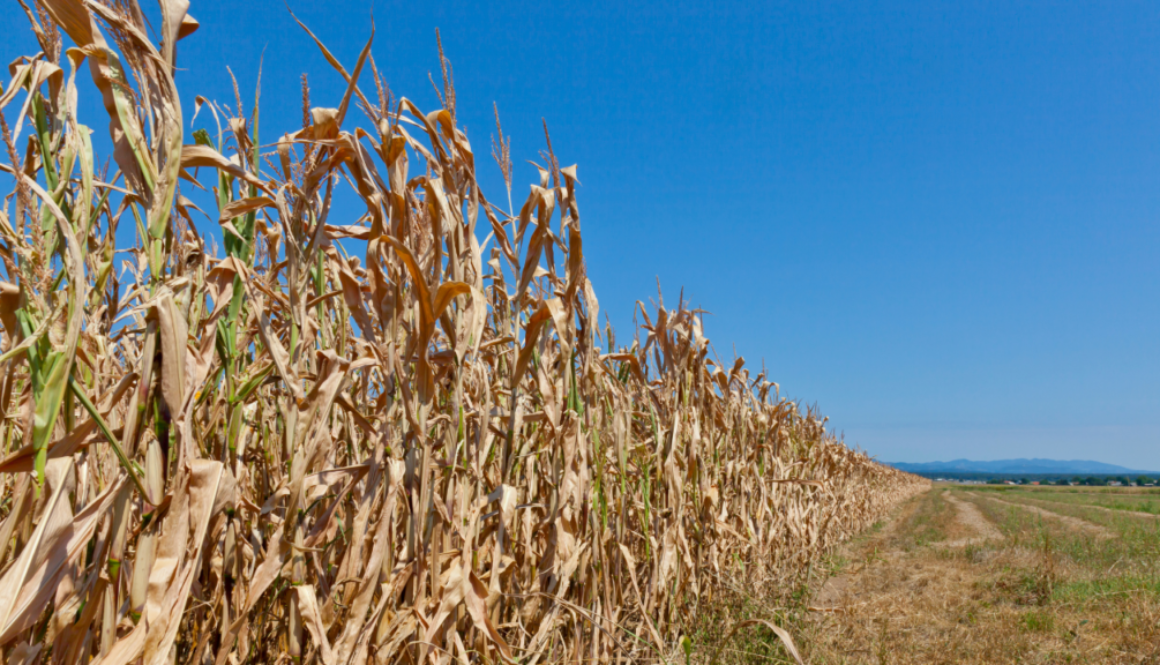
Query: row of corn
(374, 438)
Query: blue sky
(938, 221)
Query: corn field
(279, 450)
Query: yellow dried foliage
(429, 452)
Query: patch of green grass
(1144, 505)
(1120, 586)
(833, 563)
(927, 524)
(751, 644)
(1037, 622)
(1131, 502)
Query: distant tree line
(1083, 480)
(1049, 479)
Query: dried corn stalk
(430, 451)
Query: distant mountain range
(1016, 466)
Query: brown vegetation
(431, 451)
(928, 589)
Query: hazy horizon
(1114, 468)
(919, 445)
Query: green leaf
(48, 393)
(252, 384)
(122, 458)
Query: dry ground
(983, 576)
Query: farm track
(1072, 522)
(969, 516)
(905, 604)
(979, 595)
(841, 592)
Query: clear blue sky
(936, 220)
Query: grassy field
(1131, 499)
(986, 575)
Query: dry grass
(430, 451)
(1048, 592)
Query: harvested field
(1143, 504)
(1072, 522)
(283, 452)
(1048, 591)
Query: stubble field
(995, 575)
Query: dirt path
(901, 602)
(904, 597)
(1072, 522)
(970, 517)
(836, 594)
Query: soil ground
(983, 576)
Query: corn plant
(429, 451)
